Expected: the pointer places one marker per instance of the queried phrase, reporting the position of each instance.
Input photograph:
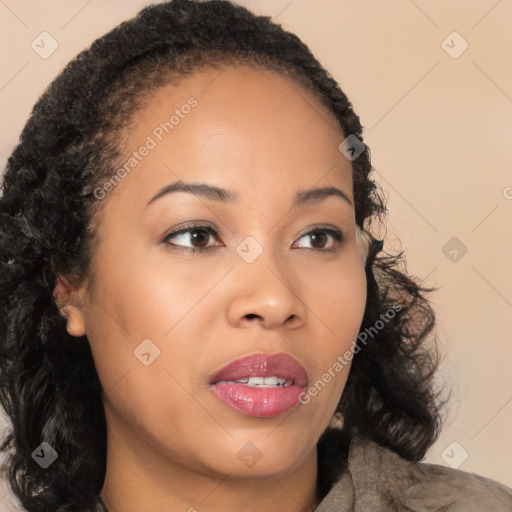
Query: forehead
(241, 125)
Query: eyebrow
(227, 196)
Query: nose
(267, 294)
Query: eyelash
(334, 233)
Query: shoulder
(380, 480)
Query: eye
(320, 237)
(198, 236)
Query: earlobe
(65, 298)
(75, 320)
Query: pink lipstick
(261, 385)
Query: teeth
(265, 382)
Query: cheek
(135, 299)
(140, 333)
(336, 299)
(145, 294)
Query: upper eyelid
(186, 229)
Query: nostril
(250, 316)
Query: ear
(363, 244)
(70, 299)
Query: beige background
(440, 133)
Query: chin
(261, 454)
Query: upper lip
(280, 365)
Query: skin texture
(172, 445)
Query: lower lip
(258, 402)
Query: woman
(174, 336)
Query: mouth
(261, 385)
(262, 382)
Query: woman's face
(163, 320)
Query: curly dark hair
(70, 145)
